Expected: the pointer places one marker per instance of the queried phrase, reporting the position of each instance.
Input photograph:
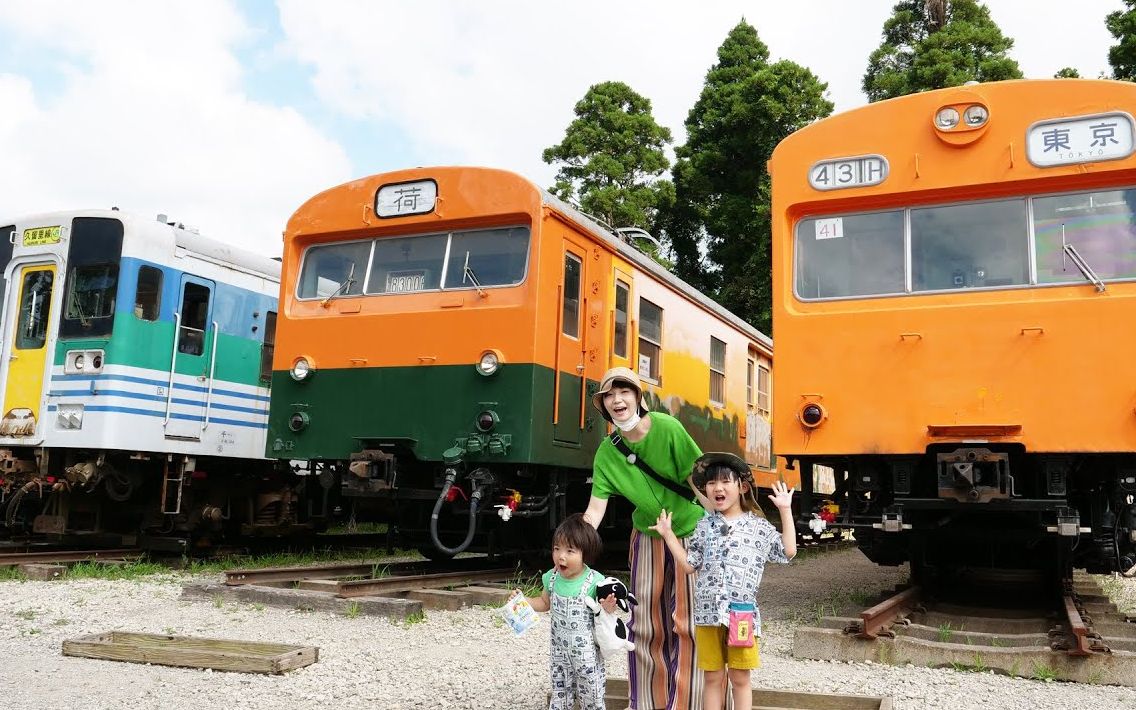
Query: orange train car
(441, 331)
(954, 272)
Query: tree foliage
(612, 156)
(747, 106)
(932, 44)
(1122, 56)
(1067, 73)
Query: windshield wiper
(468, 273)
(343, 287)
(1067, 248)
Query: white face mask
(628, 425)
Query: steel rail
(391, 585)
(236, 577)
(876, 621)
(11, 559)
(1086, 642)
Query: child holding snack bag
(576, 665)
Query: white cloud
(494, 82)
(151, 116)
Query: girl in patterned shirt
(728, 550)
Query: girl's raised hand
(782, 495)
(663, 524)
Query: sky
(227, 115)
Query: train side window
(749, 383)
(1101, 227)
(194, 313)
(619, 339)
(850, 255)
(650, 340)
(148, 295)
(571, 307)
(763, 390)
(717, 371)
(268, 347)
(976, 245)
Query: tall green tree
(612, 158)
(722, 205)
(1067, 73)
(932, 44)
(1122, 56)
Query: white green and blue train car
(135, 365)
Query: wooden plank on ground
(191, 652)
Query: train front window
(334, 270)
(90, 298)
(850, 255)
(93, 253)
(977, 245)
(407, 264)
(1099, 226)
(490, 257)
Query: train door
(27, 349)
(571, 346)
(194, 354)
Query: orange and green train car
(441, 331)
(954, 282)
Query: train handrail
(173, 366)
(212, 365)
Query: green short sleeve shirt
(671, 453)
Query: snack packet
(518, 613)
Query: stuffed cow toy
(611, 632)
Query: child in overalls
(729, 549)
(576, 666)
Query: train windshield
(968, 246)
(429, 262)
(92, 277)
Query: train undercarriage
(163, 501)
(980, 507)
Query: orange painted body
(1049, 367)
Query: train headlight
(489, 363)
(975, 115)
(947, 118)
(487, 420)
(301, 369)
(299, 421)
(811, 415)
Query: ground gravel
(462, 659)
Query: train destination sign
(839, 173)
(401, 199)
(42, 235)
(1082, 139)
(405, 281)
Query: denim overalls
(576, 665)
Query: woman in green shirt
(662, 666)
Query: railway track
(1076, 634)
(13, 559)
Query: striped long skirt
(662, 666)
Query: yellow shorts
(711, 650)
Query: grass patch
(12, 574)
(530, 585)
(945, 632)
(353, 528)
(98, 570)
(218, 601)
(61, 622)
(1042, 671)
(26, 614)
(353, 610)
(416, 618)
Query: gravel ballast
(451, 659)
